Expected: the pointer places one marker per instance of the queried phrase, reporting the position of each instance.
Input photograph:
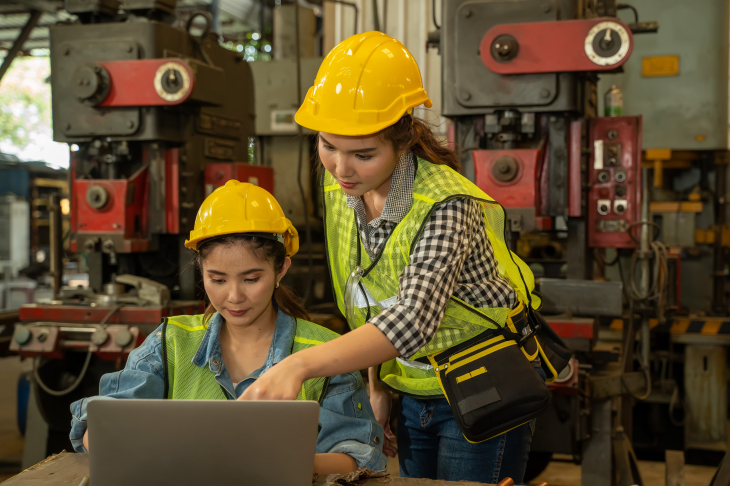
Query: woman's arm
(426, 285)
(362, 348)
(142, 377)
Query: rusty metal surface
(69, 469)
(616, 384)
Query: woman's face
(359, 164)
(239, 285)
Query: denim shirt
(347, 421)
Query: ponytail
(416, 135)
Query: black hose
(624, 6)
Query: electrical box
(614, 176)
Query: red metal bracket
(550, 47)
(133, 83)
(520, 192)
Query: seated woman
(244, 244)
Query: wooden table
(68, 469)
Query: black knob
(504, 48)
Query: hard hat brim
(340, 127)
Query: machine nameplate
(656, 66)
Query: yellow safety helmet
(240, 207)
(365, 84)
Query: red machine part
(138, 83)
(50, 341)
(614, 175)
(93, 315)
(114, 207)
(575, 182)
(550, 47)
(508, 176)
(172, 193)
(218, 174)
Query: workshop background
(601, 127)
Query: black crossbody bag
(489, 380)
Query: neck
(374, 200)
(260, 329)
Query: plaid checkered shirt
(452, 257)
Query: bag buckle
(528, 331)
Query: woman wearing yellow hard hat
(243, 244)
(418, 262)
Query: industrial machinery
(156, 116)
(519, 83)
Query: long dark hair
(416, 135)
(265, 250)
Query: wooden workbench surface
(68, 469)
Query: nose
(343, 169)
(236, 295)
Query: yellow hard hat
(365, 84)
(240, 207)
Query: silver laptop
(191, 442)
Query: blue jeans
(431, 446)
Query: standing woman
(417, 256)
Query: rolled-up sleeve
(428, 281)
(349, 425)
(142, 377)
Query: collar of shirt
(209, 351)
(400, 195)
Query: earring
(277, 285)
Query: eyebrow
(369, 149)
(253, 270)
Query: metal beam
(18, 45)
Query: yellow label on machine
(656, 66)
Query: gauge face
(607, 43)
(171, 81)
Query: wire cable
(433, 12)
(82, 373)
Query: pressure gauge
(172, 82)
(607, 43)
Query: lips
(347, 185)
(236, 313)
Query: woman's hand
(334, 463)
(381, 402)
(85, 440)
(282, 381)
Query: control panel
(614, 177)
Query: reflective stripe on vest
(182, 336)
(433, 185)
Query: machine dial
(172, 82)
(607, 43)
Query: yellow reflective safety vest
(433, 185)
(181, 338)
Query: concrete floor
(557, 473)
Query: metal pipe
(644, 265)
(56, 227)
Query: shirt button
(216, 362)
(377, 440)
(159, 334)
